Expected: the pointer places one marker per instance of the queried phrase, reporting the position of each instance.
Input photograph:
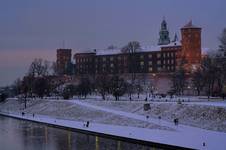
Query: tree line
(42, 80)
(209, 78)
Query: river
(25, 135)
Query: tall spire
(164, 34)
(175, 39)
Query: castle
(160, 59)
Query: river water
(25, 135)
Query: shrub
(3, 97)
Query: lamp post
(189, 87)
(147, 91)
(138, 94)
(95, 91)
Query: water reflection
(24, 135)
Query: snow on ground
(128, 119)
(143, 96)
(67, 110)
(217, 104)
(184, 136)
(207, 115)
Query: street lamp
(95, 91)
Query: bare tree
(54, 68)
(111, 47)
(222, 40)
(102, 84)
(131, 48)
(198, 81)
(222, 62)
(17, 86)
(179, 81)
(209, 71)
(130, 90)
(39, 67)
(26, 89)
(117, 87)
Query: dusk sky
(36, 28)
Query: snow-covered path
(127, 114)
(217, 104)
(183, 134)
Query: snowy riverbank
(116, 119)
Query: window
(112, 65)
(149, 55)
(141, 63)
(158, 55)
(111, 58)
(104, 58)
(141, 56)
(172, 61)
(172, 54)
(159, 62)
(150, 69)
(150, 63)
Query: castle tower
(63, 60)
(191, 44)
(164, 34)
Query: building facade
(163, 58)
(191, 45)
(120, 63)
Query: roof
(108, 51)
(205, 51)
(143, 49)
(190, 25)
(119, 51)
(172, 44)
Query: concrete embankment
(92, 129)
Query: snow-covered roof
(190, 25)
(108, 51)
(205, 51)
(143, 49)
(172, 44)
(118, 51)
(150, 48)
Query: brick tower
(191, 45)
(63, 60)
